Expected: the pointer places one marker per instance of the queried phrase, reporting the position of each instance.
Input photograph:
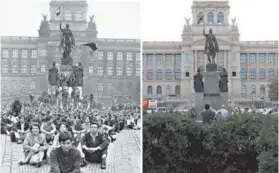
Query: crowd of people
(67, 139)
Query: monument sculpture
(211, 46)
(198, 83)
(67, 43)
(223, 82)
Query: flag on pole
(58, 11)
(92, 45)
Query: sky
(150, 20)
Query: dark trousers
(94, 157)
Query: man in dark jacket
(207, 114)
(95, 145)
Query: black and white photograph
(70, 86)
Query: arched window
(90, 70)
(68, 15)
(210, 18)
(33, 69)
(243, 91)
(159, 90)
(262, 74)
(100, 71)
(14, 69)
(110, 86)
(22, 84)
(243, 74)
(33, 85)
(177, 90)
(159, 75)
(262, 90)
(78, 16)
(5, 69)
(149, 90)
(138, 71)
(100, 87)
(220, 19)
(119, 71)
(110, 71)
(177, 74)
(200, 18)
(129, 71)
(23, 69)
(253, 74)
(253, 90)
(149, 74)
(169, 74)
(271, 74)
(168, 89)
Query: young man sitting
(65, 159)
(94, 146)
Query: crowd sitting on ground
(89, 131)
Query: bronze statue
(67, 43)
(53, 77)
(91, 18)
(223, 82)
(45, 17)
(211, 46)
(198, 83)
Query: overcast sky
(151, 20)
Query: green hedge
(241, 144)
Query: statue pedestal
(66, 71)
(211, 67)
(199, 105)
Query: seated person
(22, 128)
(94, 145)
(49, 129)
(65, 159)
(34, 146)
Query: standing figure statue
(67, 43)
(211, 46)
(198, 83)
(223, 82)
(53, 77)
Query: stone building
(169, 67)
(111, 73)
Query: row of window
(159, 90)
(253, 73)
(210, 18)
(119, 56)
(110, 71)
(261, 57)
(24, 53)
(22, 85)
(159, 59)
(24, 69)
(159, 74)
(69, 15)
(253, 90)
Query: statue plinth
(65, 73)
(211, 67)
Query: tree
(273, 90)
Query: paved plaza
(124, 156)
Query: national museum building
(112, 72)
(169, 67)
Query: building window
(43, 52)
(243, 58)
(100, 71)
(137, 71)
(110, 86)
(200, 18)
(91, 70)
(110, 71)
(5, 69)
(187, 57)
(168, 89)
(68, 15)
(33, 85)
(43, 68)
(23, 69)
(271, 58)
(119, 56)
(262, 58)
(243, 91)
(169, 74)
(22, 84)
(5, 53)
(178, 59)
(100, 87)
(271, 74)
(253, 73)
(33, 69)
(78, 16)
(149, 90)
(262, 90)
(233, 56)
(220, 19)
(149, 74)
(159, 90)
(159, 59)
(34, 54)
(168, 60)
(15, 53)
(129, 56)
(100, 55)
(252, 58)
(110, 56)
(253, 90)
(177, 90)
(14, 69)
(262, 74)
(210, 18)
(150, 60)
(177, 74)
(24, 54)
(243, 74)
(129, 71)
(159, 75)
(119, 71)
(138, 57)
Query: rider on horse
(211, 45)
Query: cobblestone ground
(124, 156)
